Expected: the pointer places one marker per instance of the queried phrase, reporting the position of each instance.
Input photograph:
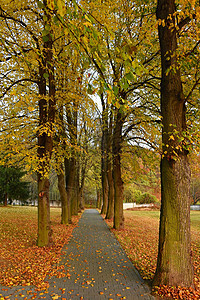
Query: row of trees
(55, 58)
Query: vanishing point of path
(98, 266)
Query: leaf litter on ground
(21, 261)
(139, 238)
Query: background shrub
(146, 198)
(131, 194)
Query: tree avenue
(56, 57)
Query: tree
(35, 58)
(122, 72)
(174, 265)
(11, 185)
(141, 169)
(195, 190)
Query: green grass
(194, 215)
(145, 213)
(195, 220)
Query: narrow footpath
(98, 266)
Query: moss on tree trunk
(174, 265)
(44, 229)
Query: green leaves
(46, 75)
(61, 7)
(40, 4)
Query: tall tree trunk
(104, 178)
(110, 210)
(43, 182)
(81, 200)
(60, 171)
(74, 201)
(71, 163)
(74, 192)
(98, 198)
(70, 180)
(63, 197)
(118, 183)
(45, 136)
(174, 266)
(81, 180)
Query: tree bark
(104, 178)
(98, 198)
(81, 172)
(70, 180)
(44, 229)
(71, 163)
(63, 197)
(118, 183)
(43, 157)
(45, 136)
(174, 265)
(110, 210)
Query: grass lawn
(194, 216)
(21, 261)
(140, 241)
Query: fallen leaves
(22, 262)
(139, 239)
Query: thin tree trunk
(60, 172)
(104, 178)
(98, 198)
(63, 197)
(174, 266)
(70, 180)
(81, 200)
(118, 183)
(74, 192)
(110, 210)
(71, 163)
(81, 181)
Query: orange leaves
(140, 239)
(177, 292)
(22, 262)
